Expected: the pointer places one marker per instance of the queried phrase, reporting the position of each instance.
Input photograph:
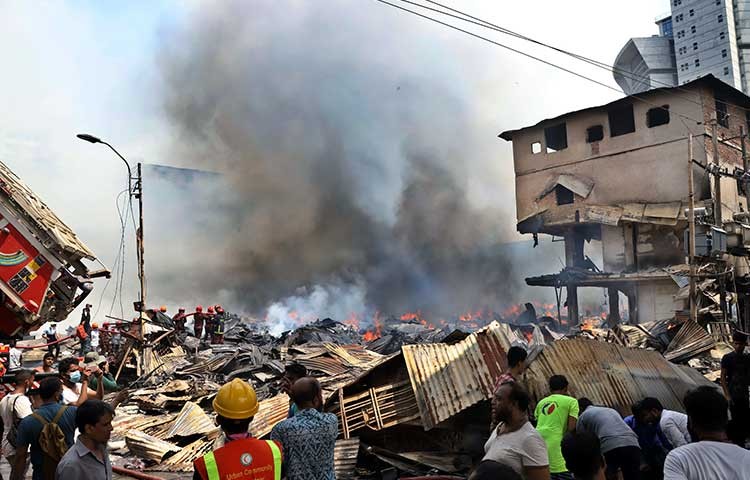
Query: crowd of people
(567, 438)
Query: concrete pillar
(614, 307)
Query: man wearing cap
(94, 337)
(242, 457)
(50, 334)
(97, 362)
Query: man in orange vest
(242, 456)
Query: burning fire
(371, 335)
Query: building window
(657, 116)
(697, 62)
(556, 138)
(677, 18)
(724, 53)
(721, 36)
(677, 3)
(621, 120)
(594, 133)
(695, 45)
(692, 29)
(718, 2)
(536, 147)
(564, 196)
(720, 18)
(681, 34)
(726, 70)
(692, 12)
(722, 116)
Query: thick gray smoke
(349, 168)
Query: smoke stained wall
(352, 180)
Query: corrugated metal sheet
(271, 412)
(610, 374)
(327, 365)
(691, 340)
(377, 408)
(149, 447)
(345, 457)
(190, 421)
(182, 461)
(447, 379)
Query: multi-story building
(708, 37)
(615, 177)
(647, 62)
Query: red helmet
(199, 308)
(210, 309)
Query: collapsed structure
(42, 274)
(622, 176)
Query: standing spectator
(516, 366)
(515, 442)
(96, 361)
(619, 443)
(86, 318)
(50, 334)
(673, 424)
(94, 337)
(235, 405)
(735, 380)
(14, 408)
(711, 457)
(308, 438)
(556, 415)
(198, 322)
(583, 456)
(654, 444)
(30, 429)
(84, 339)
(76, 383)
(292, 373)
(47, 365)
(88, 458)
(14, 356)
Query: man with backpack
(48, 431)
(14, 408)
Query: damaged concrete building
(617, 176)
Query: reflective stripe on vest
(211, 468)
(276, 459)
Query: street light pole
(135, 190)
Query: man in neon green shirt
(556, 415)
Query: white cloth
(23, 410)
(70, 396)
(708, 461)
(14, 359)
(519, 449)
(95, 339)
(674, 426)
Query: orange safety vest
(81, 332)
(244, 459)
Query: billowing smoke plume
(350, 170)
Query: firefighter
(198, 322)
(242, 456)
(210, 324)
(163, 309)
(179, 320)
(219, 321)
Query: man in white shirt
(50, 334)
(14, 408)
(94, 337)
(515, 442)
(14, 357)
(673, 424)
(711, 457)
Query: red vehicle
(42, 275)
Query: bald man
(308, 438)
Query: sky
(111, 69)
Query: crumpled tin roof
(612, 375)
(20, 198)
(190, 421)
(450, 378)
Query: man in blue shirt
(654, 444)
(308, 439)
(50, 389)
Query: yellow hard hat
(236, 400)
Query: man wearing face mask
(14, 408)
(76, 382)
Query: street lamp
(135, 191)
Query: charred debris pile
(413, 401)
